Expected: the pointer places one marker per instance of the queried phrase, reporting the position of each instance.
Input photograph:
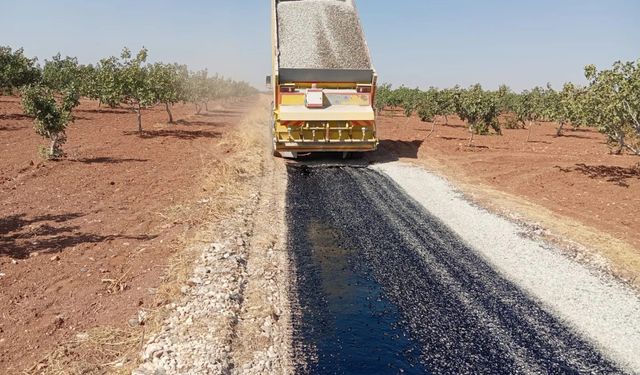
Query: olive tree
(51, 116)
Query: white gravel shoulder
(601, 308)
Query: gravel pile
(321, 34)
(600, 308)
(197, 337)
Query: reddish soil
(66, 226)
(573, 175)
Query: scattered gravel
(321, 34)
(233, 315)
(599, 307)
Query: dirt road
(383, 283)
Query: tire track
(465, 317)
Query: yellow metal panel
(292, 100)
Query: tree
(408, 99)
(435, 103)
(568, 107)
(169, 84)
(51, 117)
(613, 104)
(135, 84)
(61, 74)
(16, 70)
(445, 103)
(106, 86)
(383, 96)
(479, 108)
(528, 107)
(197, 88)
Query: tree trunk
(471, 128)
(446, 120)
(530, 129)
(53, 146)
(206, 106)
(621, 143)
(168, 108)
(138, 110)
(559, 132)
(433, 128)
(198, 109)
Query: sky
(417, 43)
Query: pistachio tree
(168, 84)
(479, 108)
(613, 104)
(135, 83)
(16, 69)
(106, 85)
(197, 89)
(51, 116)
(383, 96)
(568, 107)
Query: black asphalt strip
(381, 286)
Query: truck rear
(323, 81)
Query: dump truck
(323, 81)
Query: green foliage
(383, 97)
(50, 116)
(408, 99)
(528, 106)
(169, 84)
(16, 70)
(197, 88)
(567, 106)
(107, 82)
(479, 108)
(612, 104)
(134, 77)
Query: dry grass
(221, 187)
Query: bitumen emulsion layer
(382, 286)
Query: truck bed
(321, 37)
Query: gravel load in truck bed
(321, 34)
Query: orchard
(51, 92)
(609, 102)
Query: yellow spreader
(318, 109)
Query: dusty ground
(85, 242)
(234, 317)
(569, 184)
